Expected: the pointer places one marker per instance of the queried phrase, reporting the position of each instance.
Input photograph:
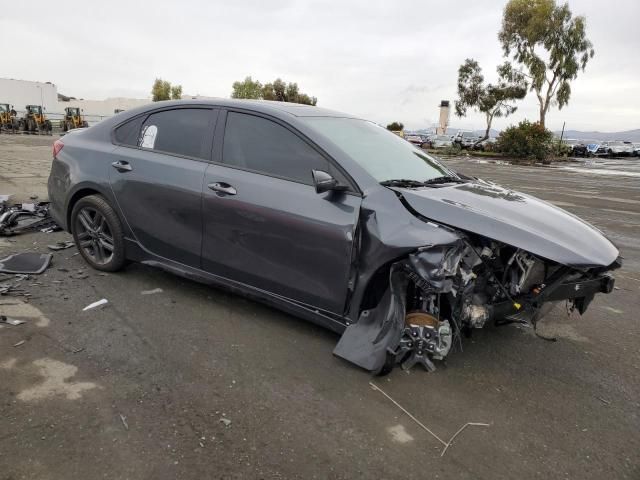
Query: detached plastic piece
(28, 262)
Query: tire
(98, 234)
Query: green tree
(247, 89)
(278, 90)
(282, 91)
(395, 126)
(493, 101)
(527, 140)
(176, 92)
(549, 44)
(163, 90)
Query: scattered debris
(13, 286)
(226, 421)
(604, 400)
(151, 292)
(95, 304)
(26, 262)
(445, 444)
(10, 321)
(124, 422)
(24, 217)
(21, 342)
(61, 245)
(19, 309)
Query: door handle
(222, 187)
(122, 166)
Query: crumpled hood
(516, 219)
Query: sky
(380, 60)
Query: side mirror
(324, 182)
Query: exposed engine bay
(439, 294)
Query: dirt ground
(192, 382)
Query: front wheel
(98, 233)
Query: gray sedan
(326, 216)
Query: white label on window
(149, 134)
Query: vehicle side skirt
(328, 320)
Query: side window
(128, 133)
(259, 144)
(183, 131)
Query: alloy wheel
(94, 235)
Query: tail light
(57, 147)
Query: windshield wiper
(402, 182)
(443, 179)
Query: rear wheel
(98, 233)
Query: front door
(264, 224)
(157, 179)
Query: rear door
(264, 224)
(157, 177)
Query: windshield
(382, 154)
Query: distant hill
(628, 136)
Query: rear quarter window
(128, 133)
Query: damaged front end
(438, 293)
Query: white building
(20, 93)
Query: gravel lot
(192, 382)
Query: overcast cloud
(378, 59)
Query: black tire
(98, 234)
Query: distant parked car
(441, 141)
(466, 139)
(577, 147)
(618, 149)
(488, 145)
(415, 139)
(592, 149)
(636, 149)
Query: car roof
(264, 106)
